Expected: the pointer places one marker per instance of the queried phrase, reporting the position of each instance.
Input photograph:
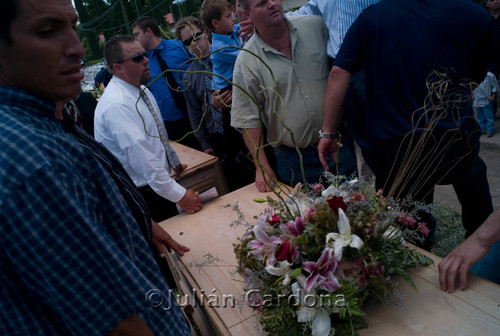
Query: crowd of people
(378, 89)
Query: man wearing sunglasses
(202, 101)
(192, 33)
(128, 123)
(165, 55)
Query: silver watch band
(333, 135)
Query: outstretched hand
(458, 262)
(162, 238)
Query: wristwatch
(333, 135)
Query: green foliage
(111, 18)
(363, 271)
(94, 61)
(326, 222)
(281, 317)
(449, 232)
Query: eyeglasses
(136, 58)
(190, 40)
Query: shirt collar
(292, 29)
(129, 87)
(230, 38)
(26, 103)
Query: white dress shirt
(124, 124)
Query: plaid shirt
(73, 259)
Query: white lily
(394, 233)
(344, 237)
(330, 191)
(334, 191)
(298, 203)
(318, 317)
(283, 269)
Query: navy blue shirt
(73, 259)
(399, 43)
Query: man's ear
(117, 68)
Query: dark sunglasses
(190, 40)
(136, 58)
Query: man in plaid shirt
(73, 258)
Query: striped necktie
(216, 112)
(173, 160)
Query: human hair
(113, 52)
(188, 21)
(9, 12)
(245, 4)
(213, 9)
(146, 22)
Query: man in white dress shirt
(126, 122)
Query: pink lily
(321, 272)
(263, 245)
(294, 229)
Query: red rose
(337, 202)
(274, 219)
(286, 251)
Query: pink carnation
(357, 197)
(423, 228)
(318, 188)
(407, 220)
(310, 214)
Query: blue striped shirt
(73, 259)
(338, 16)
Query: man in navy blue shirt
(419, 128)
(73, 259)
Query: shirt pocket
(319, 65)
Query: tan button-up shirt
(292, 93)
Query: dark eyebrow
(58, 20)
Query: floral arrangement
(97, 91)
(314, 257)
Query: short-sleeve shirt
(287, 91)
(400, 44)
(487, 87)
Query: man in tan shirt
(288, 100)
